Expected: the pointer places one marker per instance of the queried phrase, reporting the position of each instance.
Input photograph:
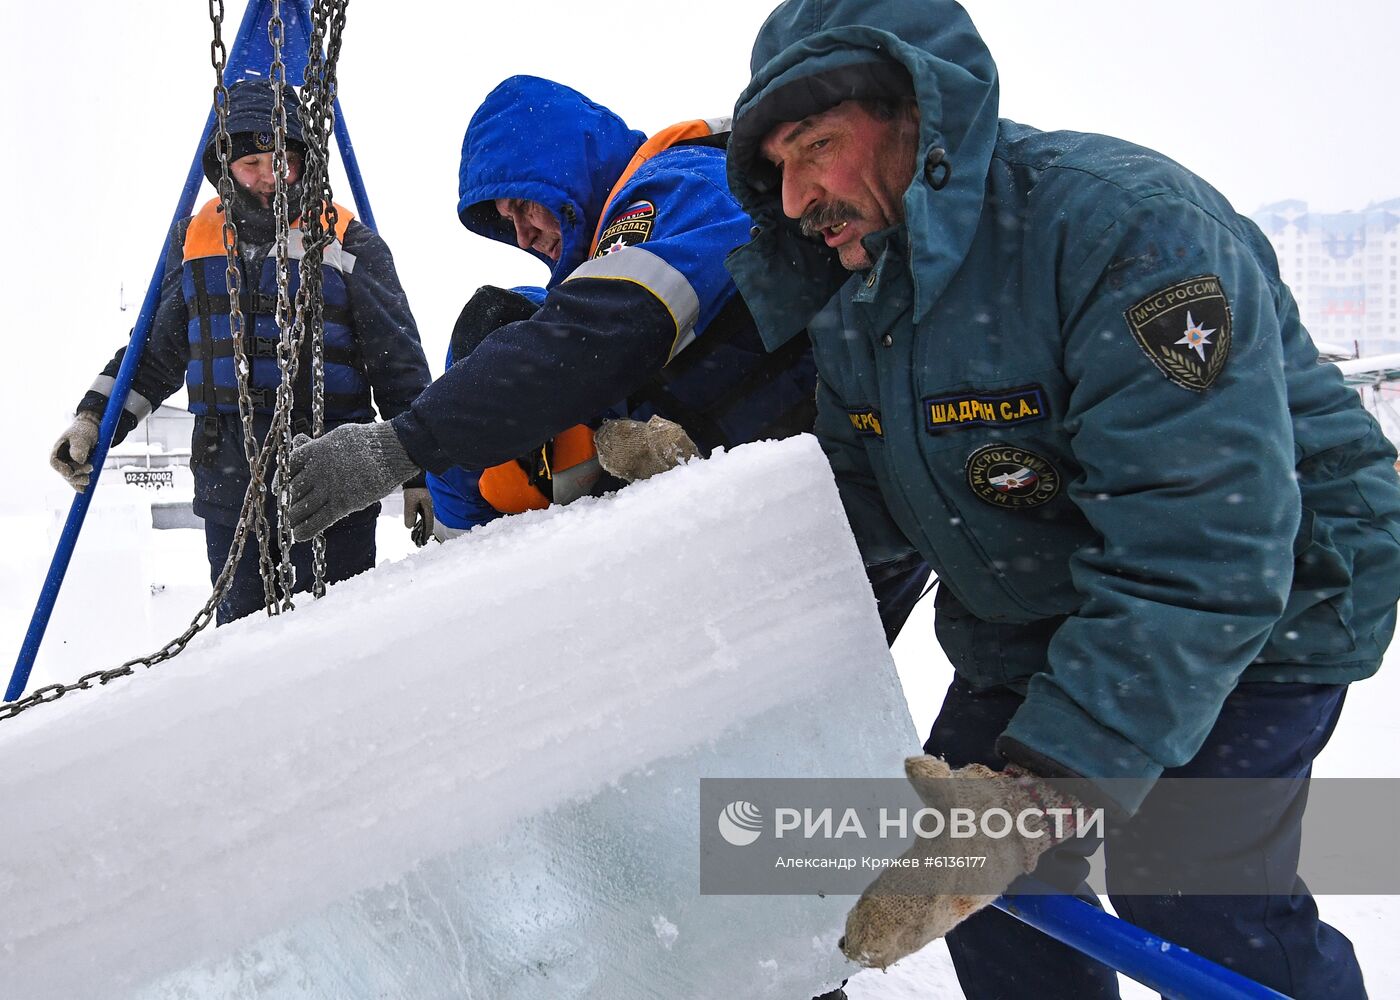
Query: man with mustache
(1065, 371)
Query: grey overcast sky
(101, 102)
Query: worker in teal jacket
(1064, 370)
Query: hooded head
(250, 124)
(541, 141)
(811, 55)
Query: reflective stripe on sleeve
(136, 404)
(644, 268)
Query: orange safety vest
(205, 235)
(512, 487)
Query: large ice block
(472, 773)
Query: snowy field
(131, 588)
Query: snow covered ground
(131, 588)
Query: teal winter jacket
(1074, 382)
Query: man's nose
(525, 234)
(798, 193)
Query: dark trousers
(349, 552)
(1264, 731)
(898, 586)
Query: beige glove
(632, 450)
(418, 513)
(906, 908)
(72, 450)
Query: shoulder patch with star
(1184, 329)
(628, 228)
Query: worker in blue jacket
(541, 168)
(1063, 369)
(639, 320)
(373, 358)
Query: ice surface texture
(472, 773)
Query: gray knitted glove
(906, 908)
(632, 450)
(72, 450)
(345, 471)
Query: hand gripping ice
(345, 471)
(633, 450)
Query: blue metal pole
(48, 594)
(352, 169)
(1171, 970)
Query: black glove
(489, 309)
(345, 471)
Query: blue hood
(812, 54)
(545, 142)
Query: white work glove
(345, 471)
(906, 908)
(72, 450)
(632, 450)
(418, 513)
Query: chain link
(318, 216)
(286, 571)
(233, 279)
(318, 212)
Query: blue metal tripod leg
(1171, 970)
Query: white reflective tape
(644, 268)
(136, 404)
(576, 481)
(718, 125)
(333, 256)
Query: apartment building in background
(1344, 270)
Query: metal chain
(318, 213)
(233, 279)
(286, 571)
(317, 105)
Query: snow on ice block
(471, 773)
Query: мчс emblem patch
(1006, 476)
(628, 228)
(1185, 330)
(866, 423)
